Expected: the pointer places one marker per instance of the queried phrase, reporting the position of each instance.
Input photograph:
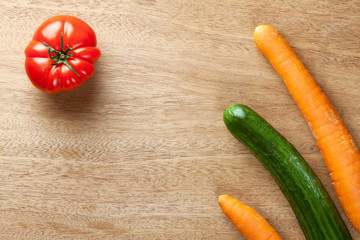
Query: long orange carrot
(250, 223)
(337, 146)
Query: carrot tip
(259, 30)
(222, 198)
(259, 27)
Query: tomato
(61, 55)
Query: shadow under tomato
(76, 109)
(80, 100)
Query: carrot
(250, 223)
(340, 153)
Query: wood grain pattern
(140, 151)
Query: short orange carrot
(337, 146)
(250, 223)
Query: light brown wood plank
(140, 151)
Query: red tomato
(61, 55)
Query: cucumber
(312, 205)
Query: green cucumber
(312, 205)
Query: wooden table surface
(140, 151)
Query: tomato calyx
(61, 56)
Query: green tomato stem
(61, 56)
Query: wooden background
(140, 151)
